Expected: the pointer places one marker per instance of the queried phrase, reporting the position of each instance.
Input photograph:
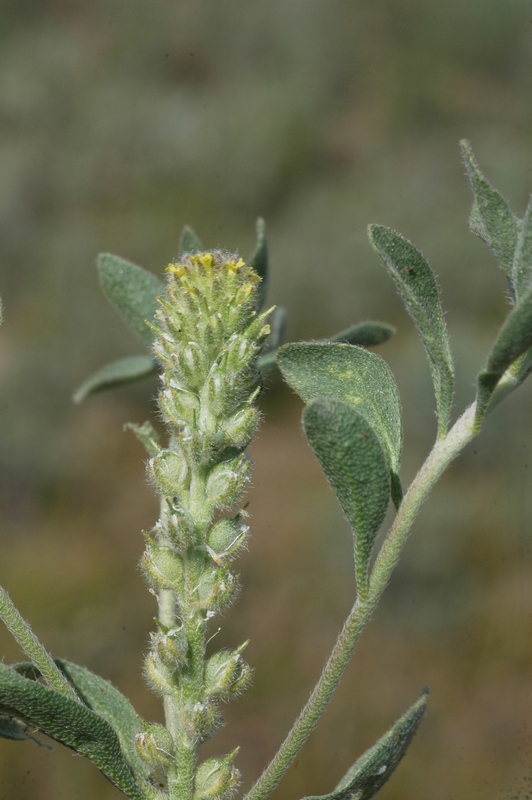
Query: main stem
(444, 451)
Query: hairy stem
(444, 451)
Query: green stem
(33, 648)
(444, 451)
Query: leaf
(104, 699)
(189, 242)
(522, 261)
(118, 373)
(355, 376)
(259, 259)
(375, 767)
(365, 334)
(417, 286)
(69, 723)
(514, 339)
(355, 465)
(147, 435)
(133, 291)
(491, 217)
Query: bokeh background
(120, 120)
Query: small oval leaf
(356, 467)
(133, 291)
(355, 376)
(118, 373)
(365, 334)
(189, 242)
(417, 286)
(491, 218)
(522, 261)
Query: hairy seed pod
(200, 721)
(226, 482)
(225, 539)
(155, 745)
(163, 567)
(226, 673)
(169, 472)
(216, 778)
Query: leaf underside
(118, 373)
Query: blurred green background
(120, 120)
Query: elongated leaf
(133, 291)
(259, 259)
(118, 373)
(375, 767)
(365, 334)
(417, 286)
(69, 723)
(514, 339)
(356, 467)
(355, 376)
(491, 217)
(522, 262)
(189, 242)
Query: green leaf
(133, 291)
(514, 339)
(147, 435)
(417, 286)
(522, 261)
(259, 259)
(355, 376)
(365, 334)
(356, 467)
(104, 699)
(69, 723)
(491, 217)
(375, 767)
(189, 242)
(118, 373)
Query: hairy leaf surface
(133, 291)
(357, 469)
(189, 242)
(259, 259)
(417, 286)
(118, 373)
(522, 262)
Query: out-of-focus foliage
(122, 120)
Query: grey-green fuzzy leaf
(357, 469)
(491, 218)
(514, 339)
(259, 259)
(189, 241)
(69, 723)
(417, 286)
(522, 261)
(118, 373)
(133, 291)
(355, 376)
(365, 334)
(364, 779)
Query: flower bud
(239, 429)
(216, 778)
(226, 673)
(225, 538)
(178, 406)
(163, 567)
(155, 746)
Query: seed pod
(216, 589)
(226, 482)
(170, 648)
(225, 539)
(216, 778)
(200, 721)
(155, 746)
(226, 673)
(162, 680)
(163, 567)
(169, 472)
(238, 430)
